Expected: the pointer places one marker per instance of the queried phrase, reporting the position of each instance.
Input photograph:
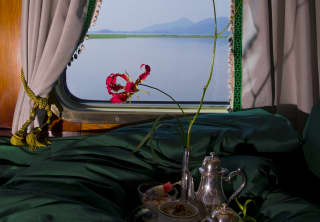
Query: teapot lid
(210, 164)
(225, 210)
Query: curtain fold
(280, 53)
(50, 33)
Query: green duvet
(95, 178)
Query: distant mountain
(170, 27)
(185, 26)
(181, 26)
(206, 26)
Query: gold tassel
(19, 139)
(32, 139)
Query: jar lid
(225, 213)
(225, 210)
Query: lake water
(179, 66)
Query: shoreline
(113, 36)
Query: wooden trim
(90, 126)
(60, 127)
(10, 61)
(5, 132)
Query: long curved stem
(163, 92)
(210, 77)
(184, 115)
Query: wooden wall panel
(10, 63)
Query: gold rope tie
(22, 138)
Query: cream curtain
(281, 53)
(51, 30)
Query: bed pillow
(244, 132)
(252, 132)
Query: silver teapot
(210, 192)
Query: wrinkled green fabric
(311, 138)
(279, 206)
(94, 178)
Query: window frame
(97, 111)
(79, 110)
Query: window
(173, 37)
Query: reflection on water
(179, 66)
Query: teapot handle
(244, 182)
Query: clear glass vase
(187, 186)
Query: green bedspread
(94, 178)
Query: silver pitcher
(210, 192)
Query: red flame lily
(129, 89)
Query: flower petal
(111, 82)
(142, 65)
(146, 67)
(144, 75)
(131, 87)
(119, 98)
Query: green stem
(184, 115)
(166, 95)
(209, 80)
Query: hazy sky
(129, 15)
